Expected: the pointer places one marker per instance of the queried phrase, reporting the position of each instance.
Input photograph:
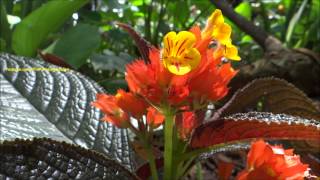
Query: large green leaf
(45, 103)
(77, 44)
(48, 159)
(34, 29)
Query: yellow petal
(168, 42)
(222, 33)
(231, 52)
(216, 17)
(179, 70)
(178, 55)
(213, 21)
(192, 57)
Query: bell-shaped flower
(154, 118)
(113, 113)
(266, 162)
(179, 55)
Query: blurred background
(82, 34)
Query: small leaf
(48, 159)
(142, 44)
(270, 95)
(34, 29)
(294, 20)
(77, 44)
(53, 59)
(245, 126)
(244, 9)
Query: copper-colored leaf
(144, 172)
(53, 59)
(48, 159)
(142, 44)
(245, 126)
(270, 95)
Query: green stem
(168, 139)
(144, 138)
(152, 162)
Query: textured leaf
(34, 29)
(77, 44)
(46, 159)
(274, 95)
(142, 44)
(55, 104)
(245, 126)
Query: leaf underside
(46, 159)
(272, 95)
(246, 126)
(142, 44)
(60, 99)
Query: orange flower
(148, 80)
(186, 70)
(177, 94)
(186, 122)
(113, 113)
(131, 104)
(216, 77)
(154, 117)
(266, 162)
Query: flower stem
(152, 162)
(168, 146)
(143, 137)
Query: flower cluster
(266, 162)
(185, 74)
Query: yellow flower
(179, 56)
(220, 31)
(213, 22)
(228, 51)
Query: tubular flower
(131, 103)
(186, 122)
(221, 33)
(113, 113)
(216, 77)
(148, 80)
(179, 55)
(154, 117)
(266, 162)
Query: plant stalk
(168, 147)
(152, 162)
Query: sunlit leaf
(48, 159)
(34, 29)
(244, 9)
(46, 102)
(246, 126)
